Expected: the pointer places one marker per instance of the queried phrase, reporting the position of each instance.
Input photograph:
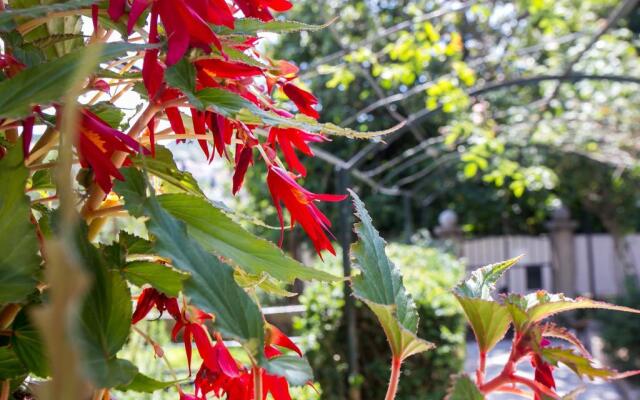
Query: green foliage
(48, 82)
(464, 389)
(379, 285)
(428, 275)
(211, 286)
(19, 260)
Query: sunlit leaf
(164, 167)
(581, 365)
(379, 285)
(144, 384)
(161, 277)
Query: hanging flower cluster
(219, 372)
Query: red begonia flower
(302, 208)
(305, 101)
(275, 336)
(97, 143)
(260, 8)
(215, 68)
(149, 298)
(288, 138)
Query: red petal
(145, 303)
(276, 337)
(137, 8)
(116, 9)
(242, 165)
(27, 134)
(94, 17)
(227, 364)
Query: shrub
(429, 274)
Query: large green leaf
(211, 286)
(105, 319)
(252, 26)
(379, 285)
(19, 260)
(182, 76)
(236, 107)
(218, 233)
(162, 277)
(28, 346)
(164, 167)
(464, 389)
(489, 320)
(296, 370)
(42, 10)
(48, 82)
(144, 384)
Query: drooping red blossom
(302, 208)
(288, 138)
(191, 325)
(543, 370)
(260, 8)
(216, 68)
(100, 85)
(97, 143)
(305, 101)
(275, 337)
(152, 70)
(150, 298)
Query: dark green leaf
(28, 346)
(211, 286)
(219, 234)
(10, 365)
(182, 76)
(295, 369)
(49, 81)
(19, 260)
(164, 167)
(161, 277)
(464, 389)
(105, 320)
(144, 384)
(379, 285)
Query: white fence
(593, 254)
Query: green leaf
(489, 320)
(28, 346)
(109, 113)
(379, 285)
(580, 365)
(483, 280)
(19, 260)
(252, 26)
(464, 389)
(42, 180)
(105, 319)
(164, 167)
(236, 107)
(219, 234)
(211, 286)
(144, 384)
(162, 277)
(7, 16)
(48, 82)
(10, 365)
(182, 76)
(296, 370)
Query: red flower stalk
(288, 138)
(97, 143)
(302, 208)
(150, 298)
(305, 101)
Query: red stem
(257, 383)
(481, 368)
(396, 363)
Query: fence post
(449, 230)
(561, 234)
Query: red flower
(97, 143)
(260, 8)
(275, 337)
(302, 99)
(149, 298)
(193, 331)
(216, 68)
(302, 208)
(288, 138)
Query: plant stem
(8, 314)
(396, 363)
(257, 383)
(481, 368)
(6, 387)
